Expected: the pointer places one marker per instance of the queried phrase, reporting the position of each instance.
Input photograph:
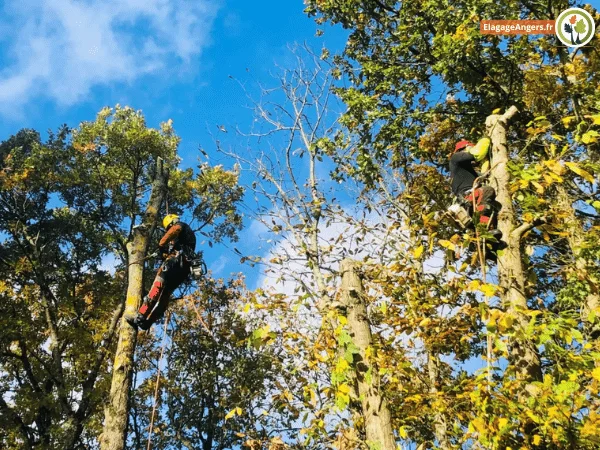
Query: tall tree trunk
(378, 426)
(440, 424)
(524, 354)
(575, 238)
(116, 412)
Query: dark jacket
(181, 236)
(462, 172)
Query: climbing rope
(156, 387)
(162, 351)
(481, 249)
(201, 320)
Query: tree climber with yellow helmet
(466, 155)
(176, 248)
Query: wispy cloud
(60, 49)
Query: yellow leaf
(480, 424)
(497, 111)
(596, 373)
(238, 411)
(554, 166)
(403, 433)
(474, 285)
(488, 289)
(567, 120)
(579, 171)
(230, 414)
(538, 187)
(596, 119)
(343, 388)
(495, 314)
(342, 366)
(418, 251)
(502, 422)
(505, 323)
(447, 244)
(425, 322)
(590, 137)
(247, 307)
(537, 439)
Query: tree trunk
(378, 426)
(524, 355)
(440, 425)
(116, 412)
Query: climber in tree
(176, 248)
(462, 170)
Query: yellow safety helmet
(169, 220)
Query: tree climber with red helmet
(466, 156)
(176, 248)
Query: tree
(298, 206)
(117, 411)
(59, 308)
(375, 410)
(121, 157)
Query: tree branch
(525, 227)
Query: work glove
(481, 149)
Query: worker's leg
(154, 298)
(484, 197)
(174, 276)
(157, 289)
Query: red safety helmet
(462, 144)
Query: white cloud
(218, 266)
(60, 49)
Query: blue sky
(61, 61)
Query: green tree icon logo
(575, 27)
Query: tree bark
(377, 417)
(440, 424)
(116, 412)
(524, 354)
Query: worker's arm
(168, 237)
(461, 157)
(481, 149)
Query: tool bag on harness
(198, 266)
(459, 214)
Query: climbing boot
(137, 320)
(131, 319)
(496, 234)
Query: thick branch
(525, 227)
